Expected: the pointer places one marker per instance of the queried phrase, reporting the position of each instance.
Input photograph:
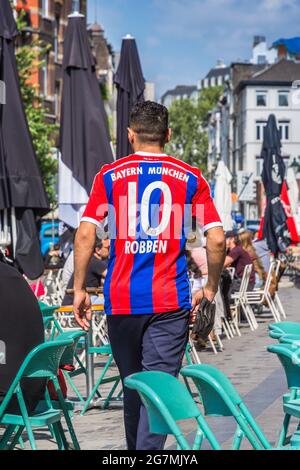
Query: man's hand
(82, 309)
(208, 293)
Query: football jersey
(150, 201)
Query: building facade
(255, 90)
(47, 20)
(178, 93)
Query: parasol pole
(13, 231)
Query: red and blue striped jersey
(150, 202)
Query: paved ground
(256, 373)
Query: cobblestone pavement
(256, 373)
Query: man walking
(148, 197)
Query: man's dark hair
(150, 121)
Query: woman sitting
(247, 244)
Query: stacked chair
(168, 401)
(42, 362)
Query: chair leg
(10, 430)
(212, 345)
(221, 346)
(208, 433)
(57, 437)
(237, 440)
(109, 396)
(225, 330)
(66, 414)
(280, 306)
(198, 440)
(182, 443)
(272, 307)
(284, 430)
(97, 385)
(17, 438)
(245, 310)
(73, 386)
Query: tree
(188, 121)
(28, 56)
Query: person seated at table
(96, 271)
(21, 331)
(263, 252)
(245, 238)
(237, 258)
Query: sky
(180, 40)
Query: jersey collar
(150, 154)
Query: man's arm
(83, 250)
(216, 251)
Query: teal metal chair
(104, 351)
(290, 339)
(51, 325)
(168, 401)
(289, 356)
(220, 398)
(42, 362)
(276, 330)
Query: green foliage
(28, 56)
(188, 121)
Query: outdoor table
(89, 290)
(88, 344)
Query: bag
(205, 319)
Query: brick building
(47, 20)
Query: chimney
(258, 39)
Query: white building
(178, 93)
(264, 92)
(217, 76)
(261, 53)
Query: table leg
(90, 378)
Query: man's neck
(153, 149)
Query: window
(284, 130)
(45, 7)
(283, 98)
(261, 59)
(56, 33)
(261, 98)
(45, 75)
(260, 127)
(56, 98)
(259, 167)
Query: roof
(284, 72)
(292, 44)
(180, 90)
(218, 72)
(95, 28)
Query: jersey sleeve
(97, 206)
(203, 207)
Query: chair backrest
(219, 397)
(47, 310)
(44, 360)
(290, 339)
(245, 279)
(68, 354)
(166, 399)
(289, 356)
(272, 270)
